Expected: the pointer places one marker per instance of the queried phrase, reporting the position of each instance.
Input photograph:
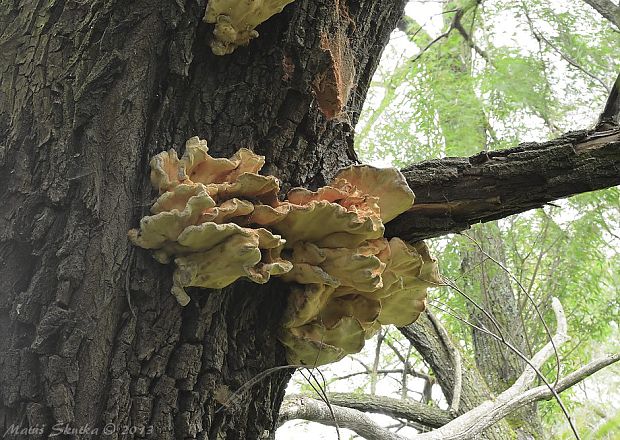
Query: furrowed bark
(454, 193)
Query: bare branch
(306, 408)
(398, 408)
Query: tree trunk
(89, 91)
(491, 287)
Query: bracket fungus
(236, 20)
(195, 219)
(219, 220)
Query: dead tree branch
(306, 408)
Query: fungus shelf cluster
(219, 220)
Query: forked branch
(469, 424)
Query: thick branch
(454, 193)
(607, 9)
(314, 410)
(396, 408)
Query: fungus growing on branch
(218, 220)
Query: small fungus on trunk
(236, 20)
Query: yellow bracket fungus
(193, 220)
(236, 21)
(219, 220)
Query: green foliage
(610, 429)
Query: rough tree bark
(89, 91)
(491, 288)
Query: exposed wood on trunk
(454, 193)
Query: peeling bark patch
(333, 85)
(288, 67)
(223, 395)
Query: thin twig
(428, 46)
(540, 37)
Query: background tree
(89, 92)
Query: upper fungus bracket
(387, 185)
(219, 220)
(236, 21)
